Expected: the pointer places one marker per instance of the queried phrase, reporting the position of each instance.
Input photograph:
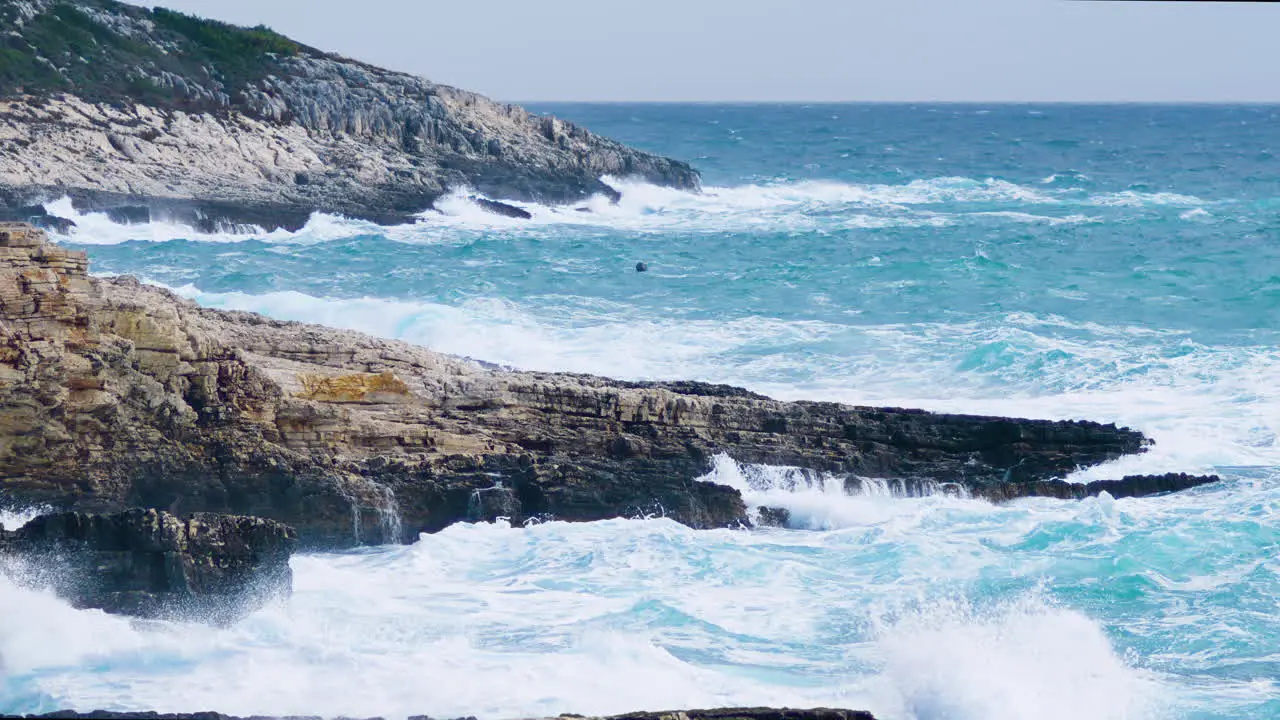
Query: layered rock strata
(154, 114)
(152, 564)
(115, 394)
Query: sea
(1115, 263)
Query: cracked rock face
(250, 127)
(114, 394)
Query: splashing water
(1114, 264)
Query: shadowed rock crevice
(115, 394)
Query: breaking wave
(776, 206)
(1057, 262)
(592, 618)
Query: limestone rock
(154, 121)
(114, 394)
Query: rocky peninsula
(152, 114)
(115, 394)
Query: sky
(799, 50)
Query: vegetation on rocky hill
(106, 51)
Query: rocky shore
(114, 394)
(158, 115)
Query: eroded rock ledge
(115, 394)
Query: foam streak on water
(1115, 264)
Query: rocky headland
(114, 394)
(154, 114)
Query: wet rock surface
(114, 394)
(173, 118)
(503, 209)
(153, 564)
(1129, 486)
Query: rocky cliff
(150, 112)
(115, 394)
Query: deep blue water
(1117, 263)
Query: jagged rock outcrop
(719, 714)
(114, 394)
(1129, 486)
(150, 113)
(155, 565)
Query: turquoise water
(1112, 263)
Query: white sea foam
(644, 208)
(598, 618)
(12, 518)
(953, 661)
(1133, 198)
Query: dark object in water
(503, 209)
(773, 517)
(148, 563)
(642, 267)
(1129, 486)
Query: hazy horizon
(984, 51)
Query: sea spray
(1106, 263)
(1019, 658)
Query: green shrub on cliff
(79, 46)
(238, 54)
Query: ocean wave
(782, 206)
(953, 659)
(12, 518)
(1132, 198)
(594, 618)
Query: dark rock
(1130, 486)
(489, 504)
(129, 214)
(610, 192)
(37, 215)
(152, 564)
(693, 387)
(503, 209)
(773, 517)
(642, 267)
